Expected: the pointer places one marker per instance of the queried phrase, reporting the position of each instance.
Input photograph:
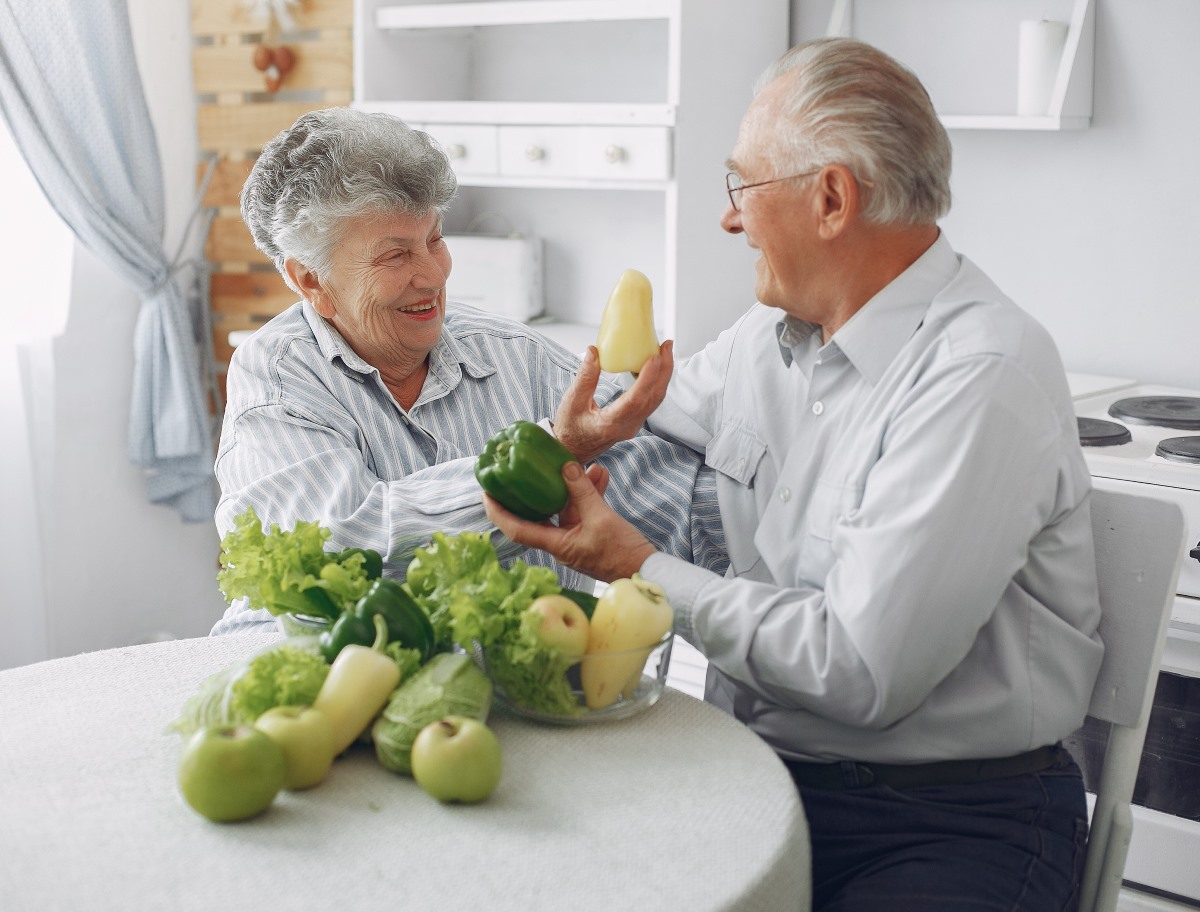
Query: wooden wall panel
(229, 67)
(236, 115)
(219, 17)
(229, 241)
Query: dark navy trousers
(1002, 845)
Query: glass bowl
(622, 683)
(303, 625)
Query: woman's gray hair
(852, 104)
(335, 165)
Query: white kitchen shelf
(527, 112)
(1071, 100)
(601, 126)
(520, 12)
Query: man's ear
(838, 200)
(310, 287)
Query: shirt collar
(872, 337)
(444, 361)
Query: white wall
(119, 569)
(1093, 231)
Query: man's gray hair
(335, 165)
(852, 104)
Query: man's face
(776, 218)
(385, 291)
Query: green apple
(305, 735)
(230, 772)
(563, 625)
(457, 759)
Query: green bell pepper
(521, 467)
(372, 560)
(407, 623)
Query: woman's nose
(432, 270)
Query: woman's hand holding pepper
(590, 537)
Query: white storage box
(500, 274)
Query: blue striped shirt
(312, 433)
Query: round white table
(679, 808)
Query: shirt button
(818, 408)
(785, 494)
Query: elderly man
(365, 405)
(910, 614)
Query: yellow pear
(627, 339)
(631, 617)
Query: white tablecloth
(679, 808)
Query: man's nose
(731, 219)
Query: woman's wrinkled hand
(586, 429)
(590, 536)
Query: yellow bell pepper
(358, 685)
(631, 617)
(627, 338)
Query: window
(35, 253)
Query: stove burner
(1179, 449)
(1181, 412)
(1094, 432)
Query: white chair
(1139, 551)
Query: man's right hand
(588, 430)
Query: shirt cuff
(682, 583)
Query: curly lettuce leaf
(475, 601)
(288, 572)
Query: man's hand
(590, 536)
(588, 430)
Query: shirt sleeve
(967, 477)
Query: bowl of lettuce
(480, 606)
(561, 688)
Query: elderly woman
(364, 405)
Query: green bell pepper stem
(381, 633)
(521, 468)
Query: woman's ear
(310, 287)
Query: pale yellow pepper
(631, 617)
(358, 685)
(627, 339)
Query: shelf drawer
(472, 148)
(538, 151)
(630, 153)
(592, 152)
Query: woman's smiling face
(385, 290)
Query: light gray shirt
(312, 433)
(912, 572)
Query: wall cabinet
(600, 126)
(967, 55)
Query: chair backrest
(1139, 551)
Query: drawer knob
(456, 151)
(614, 154)
(534, 153)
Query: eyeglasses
(734, 185)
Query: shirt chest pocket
(830, 504)
(736, 453)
